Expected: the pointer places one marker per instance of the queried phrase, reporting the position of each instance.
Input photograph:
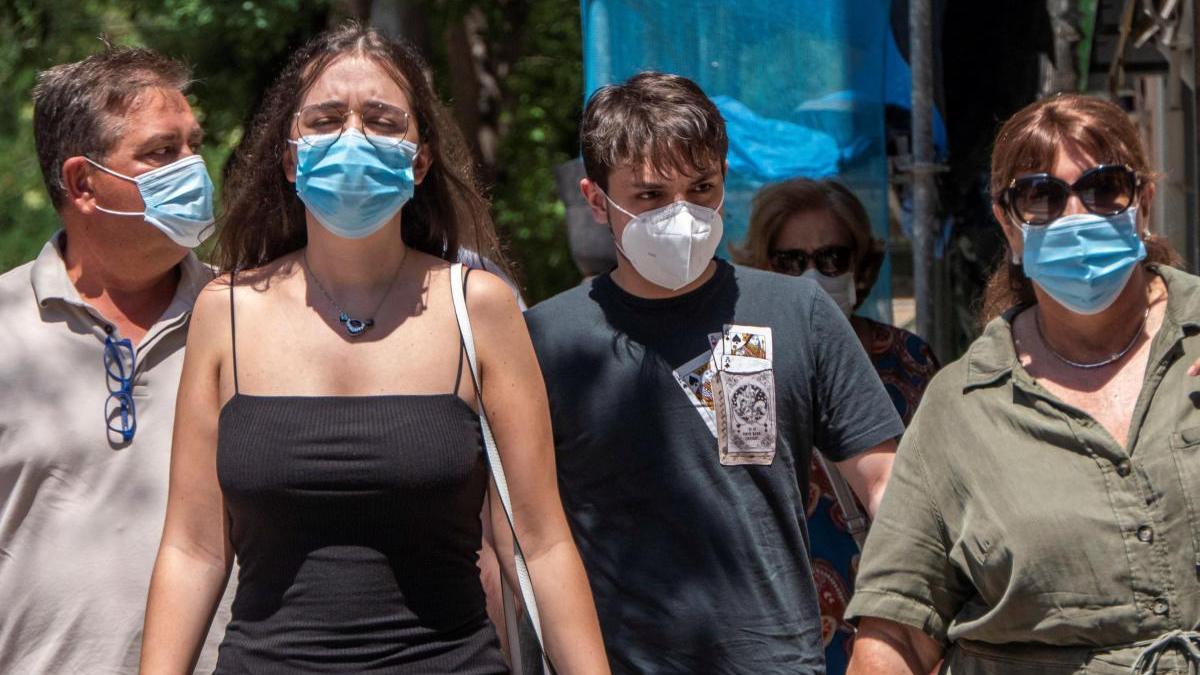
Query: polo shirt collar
(993, 356)
(52, 284)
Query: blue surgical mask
(354, 187)
(178, 199)
(1084, 260)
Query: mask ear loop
(616, 240)
(118, 175)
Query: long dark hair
(263, 218)
(1029, 142)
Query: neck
(1088, 338)
(628, 279)
(130, 285)
(355, 264)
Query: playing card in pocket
(752, 341)
(695, 377)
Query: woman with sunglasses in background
(818, 229)
(1043, 514)
(327, 431)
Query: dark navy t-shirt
(696, 566)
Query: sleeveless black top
(355, 520)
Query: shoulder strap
(233, 329)
(493, 457)
(856, 521)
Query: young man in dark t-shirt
(687, 395)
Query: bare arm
(868, 473)
(515, 398)
(194, 555)
(884, 647)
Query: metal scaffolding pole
(920, 32)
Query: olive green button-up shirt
(1017, 530)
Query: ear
(1145, 205)
(1016, 243)
(421, 164)
(595, 199)
(289, 162)
(77, 183)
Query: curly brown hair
(263, 218)
(1029, 142)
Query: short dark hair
(77, 106)
(659, 118)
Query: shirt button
(1161, 607)
(1124, 468)
(1145, 534)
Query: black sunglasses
(1040, 199)
(832, 261)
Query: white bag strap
(856, 521)
(493, 456)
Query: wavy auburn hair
(263, 218)
(1029, 142)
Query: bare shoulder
(490, 297)
(212, 317)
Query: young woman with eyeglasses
(327, 431)
(1042, 515)
(818, 229)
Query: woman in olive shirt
(1042, 516)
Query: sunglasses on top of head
(1039, 199)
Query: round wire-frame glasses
(320, 125)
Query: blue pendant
(355, 327)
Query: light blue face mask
(1083, 261)
(178, 199)
(354, 187)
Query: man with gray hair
(94, 332)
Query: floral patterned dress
(905, 364)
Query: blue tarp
(801, 85)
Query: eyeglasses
(119, 415)
(1040, 199)
(320, 125)
(832, 261)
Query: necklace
(354, 327)
(1037, 321)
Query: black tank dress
(355, 520)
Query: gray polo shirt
(80, 516)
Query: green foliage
(236, 48)
(543, 132)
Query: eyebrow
(641, 185)
(703, 178)
(167, 137)
(327, 105)
(341, 105)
